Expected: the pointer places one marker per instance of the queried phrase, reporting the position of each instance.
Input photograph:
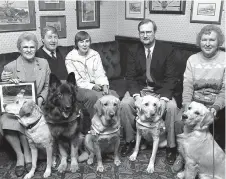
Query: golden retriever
(38, 135)
(151, 126)
(203, 156)
(104, 135)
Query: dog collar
(150, 126)
(95, 131)
(33, 124)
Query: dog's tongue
(65, 114)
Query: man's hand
(6, 76)
(105, 90)
(163, 106)
(97, 87)
(213, 111)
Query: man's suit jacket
(42, 74)
(163, 69)
(57, 65)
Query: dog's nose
(112, 115)
(184, 116)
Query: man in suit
(150, 71)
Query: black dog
(63, 115)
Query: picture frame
(134, 10)
(13, 95)
(208, 12)
(59, 22)
(167, 7)
(88, 14)
(17, 16)
(51, 5)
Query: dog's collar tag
(33, 124)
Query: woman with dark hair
(87, 66)
(26, 68)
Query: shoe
(19, 170)
(178, 164)
(170, 155)
(127, 148)
(28, 167)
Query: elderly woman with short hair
(26, 68)
(204, 81)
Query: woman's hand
(6, 76)
(213, 111)
(105, 90)
(97, 87)
(40, 101)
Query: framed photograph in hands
(12, 96)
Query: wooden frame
(59, 22)
(10, 94)
(88, 14)
(167, 7)
(17, 16)
(51, 5)
(208, 12)
(134, 10)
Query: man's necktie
(148, 66)
(53, 56)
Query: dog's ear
(71, 78)
(54, 82)
(207, 120)
(98, 107)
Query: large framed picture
(135, 10)
(59, 22)
(51, 5)
(167, 7)
(88, 14)
(12, 96)
(17, 15)
(208, 12)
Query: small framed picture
(88, 14)
(208, 12)
(12, 96)
(167, 7)
(59, 22)
(135, 10)
(51, 5)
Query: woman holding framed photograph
(26, 68)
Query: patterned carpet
(127, 170)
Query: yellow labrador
(38, 134)
(150, 126)
(104, 135)
(203, 156)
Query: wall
(171, 27)
(106, 32)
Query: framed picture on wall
(88, 14)
(12, 96)
(51, 5)
(167, 7)
(59, 22)
(17, 16)
(208, 12)
(135, 10)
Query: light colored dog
(104, 135)
(203, 156)
(150, 126)
(38, 134)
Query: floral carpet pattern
(127, 169)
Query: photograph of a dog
(203, 156)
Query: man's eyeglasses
(148, 33)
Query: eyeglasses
(26, 48)
(148, 33)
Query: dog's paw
(74, 168)
(133, 157)
(47, 173)
(150, 168)
(100, 168)
(180, 175)
(117, 162)
(62, 168)
(90, 161)
(29, 175)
